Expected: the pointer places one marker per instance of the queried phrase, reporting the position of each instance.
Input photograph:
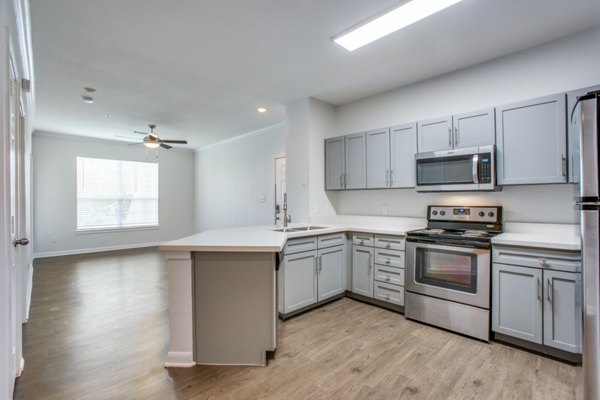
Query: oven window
(447, 269)
(445, 171)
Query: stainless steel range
(448, 269)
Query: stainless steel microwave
(457, 170)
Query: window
(115, 194)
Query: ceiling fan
(152, 141)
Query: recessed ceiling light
(87, 99)
(393, 20)
(89, 89)
(261, 110)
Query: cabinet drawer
(335, 239)
(390, 293)
(391, 275)
(392, 258)
(299, 245)
(390, 242)
(538, 258)
(362, 239)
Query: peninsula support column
(181, 317)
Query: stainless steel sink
(300, 228)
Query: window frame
(85, 231)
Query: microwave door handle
(475, 169)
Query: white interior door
(279, 188)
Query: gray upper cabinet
(531, 141)
(403, 147)
(378, 158)
(573, 127)
(434, 135)
(334, 163)
(563, 310)
(474, 129)
(356, 161)
(517, 302)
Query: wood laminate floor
(98, 329)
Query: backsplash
(531, 203)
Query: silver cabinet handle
(341, 180)
(449, 137)
(315, 262)
(391, 177)
(564, 165)
(370, 261)
(345, 180)
(539, 289)
(549, 290)
(456, 137)
(387, 177)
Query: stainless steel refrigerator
(589, 204)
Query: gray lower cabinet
(534, 301)
(299, 281)
(313, 270)
(331, 272)
(531, 141)
(362, 270)
(517, 302)
(563, 310)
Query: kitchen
(392, 211)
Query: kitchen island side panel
(235, 308)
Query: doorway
(280, 188)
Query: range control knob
(434, 212)
(442, 212)
(491, 214)
(481, 214)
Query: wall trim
(94, 250)
(240, 137)
(180, 359)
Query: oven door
(455, 273)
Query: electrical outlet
(384, 209)
(261, 199)
(54, 239)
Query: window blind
(115, 194)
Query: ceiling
(200, 68)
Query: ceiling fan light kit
(152, 141)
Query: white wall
(54, 180)
(233, 176)
(568, 63)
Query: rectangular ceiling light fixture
(395, 19)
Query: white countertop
(265, 239)
(546, 236)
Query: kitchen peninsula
(222, 289)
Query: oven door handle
(475, 169)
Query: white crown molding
(240, 137)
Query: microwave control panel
(485, 168)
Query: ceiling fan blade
(174, 141)
(166, 146)
(141, 133)
(133, 144)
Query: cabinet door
(362, 270)
(334, 163)
(474, 129)
(378, 158)
(299, 280)
(356, 162)
(517, 302)
(403, 147)
(573, 127)
(562, 310)
(532, 142)
(434, 135)
(331, 272)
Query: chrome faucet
(286, 218)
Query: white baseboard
(94, 250)
(179, 359)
